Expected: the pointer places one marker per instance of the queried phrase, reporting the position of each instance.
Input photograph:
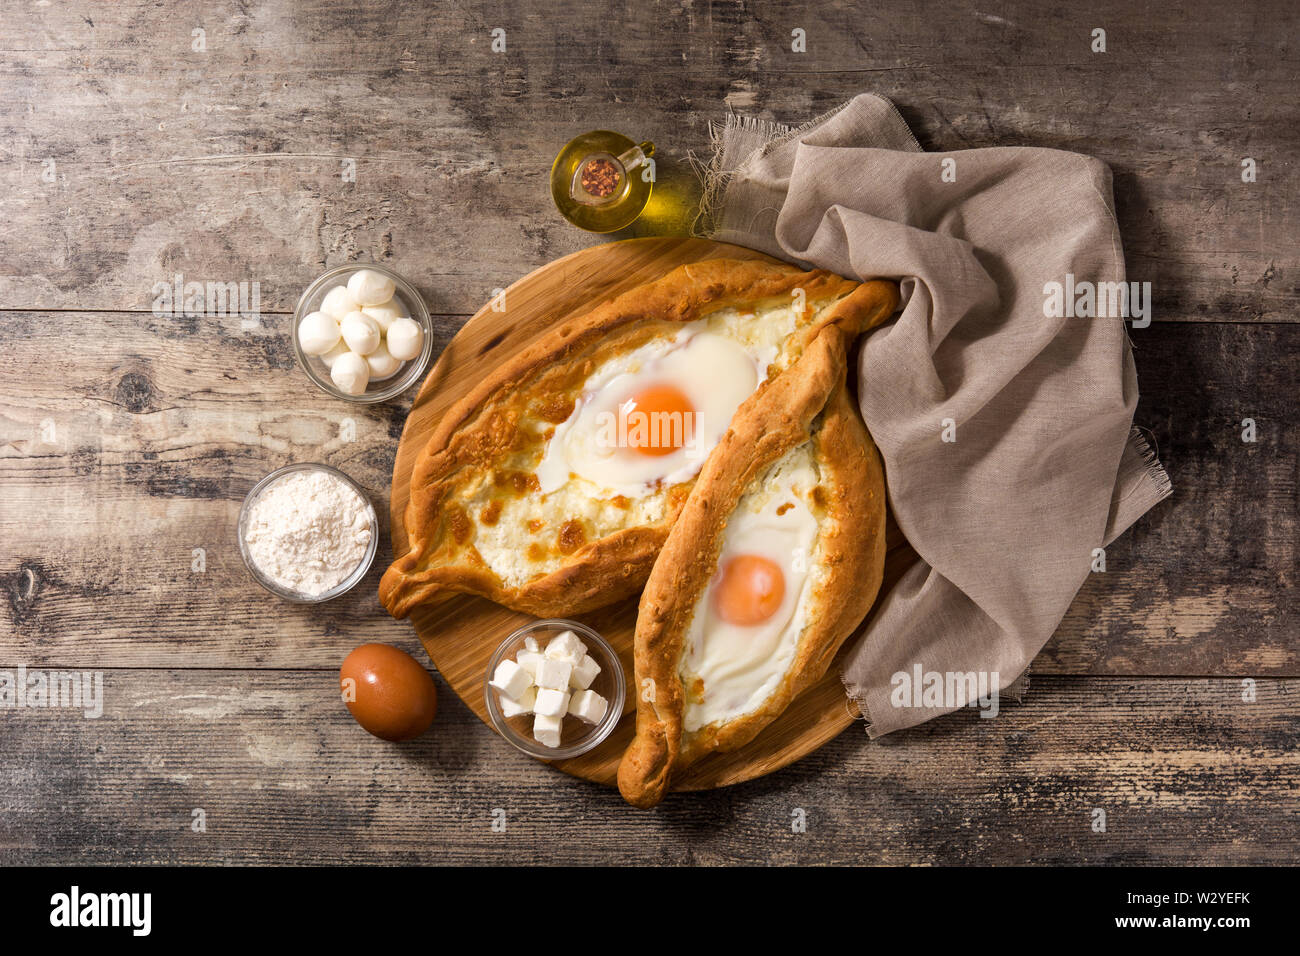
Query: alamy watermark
(77, 690)
(73, 909)
(947, 689)
(180, 298)
(654, 432)
(1083, 299)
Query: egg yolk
(749, 590)
(658, 420)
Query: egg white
(715, 374)
(740, 667)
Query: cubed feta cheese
(554, 674)
(547, 730)
(566, 647)
(530, 644)
(584, 672)
(551, 702)
(529, 660)
(588, 706)
(517, 708)
(511, 679)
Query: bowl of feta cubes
(555, 689)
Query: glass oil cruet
(601, 180)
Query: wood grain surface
(226, 163)
(156, 442)
(1183, 768)
(131, 153)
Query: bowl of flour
(308, 533)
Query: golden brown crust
(809, 402)
(484, 430)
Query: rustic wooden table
(263, 141)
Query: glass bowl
(577, 737)
(300, 597)
(378, 390)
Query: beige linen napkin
(1041, 465)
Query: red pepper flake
(600, 177)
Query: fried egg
(746, 625)
(641, 497)
(651, 417)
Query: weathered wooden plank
(157, 437)
(1185, 770)
(1221, 557)
(225, 164)
(119, 462)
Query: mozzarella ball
(382, 364)
(386, 313)
(405, 339)
(350, 373)
(361, 332)
(318, 333)
(329, 357)
(338, 302)
(370, 288)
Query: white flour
(308, 531)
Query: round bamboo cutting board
(461, 634)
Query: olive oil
(602, 180)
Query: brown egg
(388, 692)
